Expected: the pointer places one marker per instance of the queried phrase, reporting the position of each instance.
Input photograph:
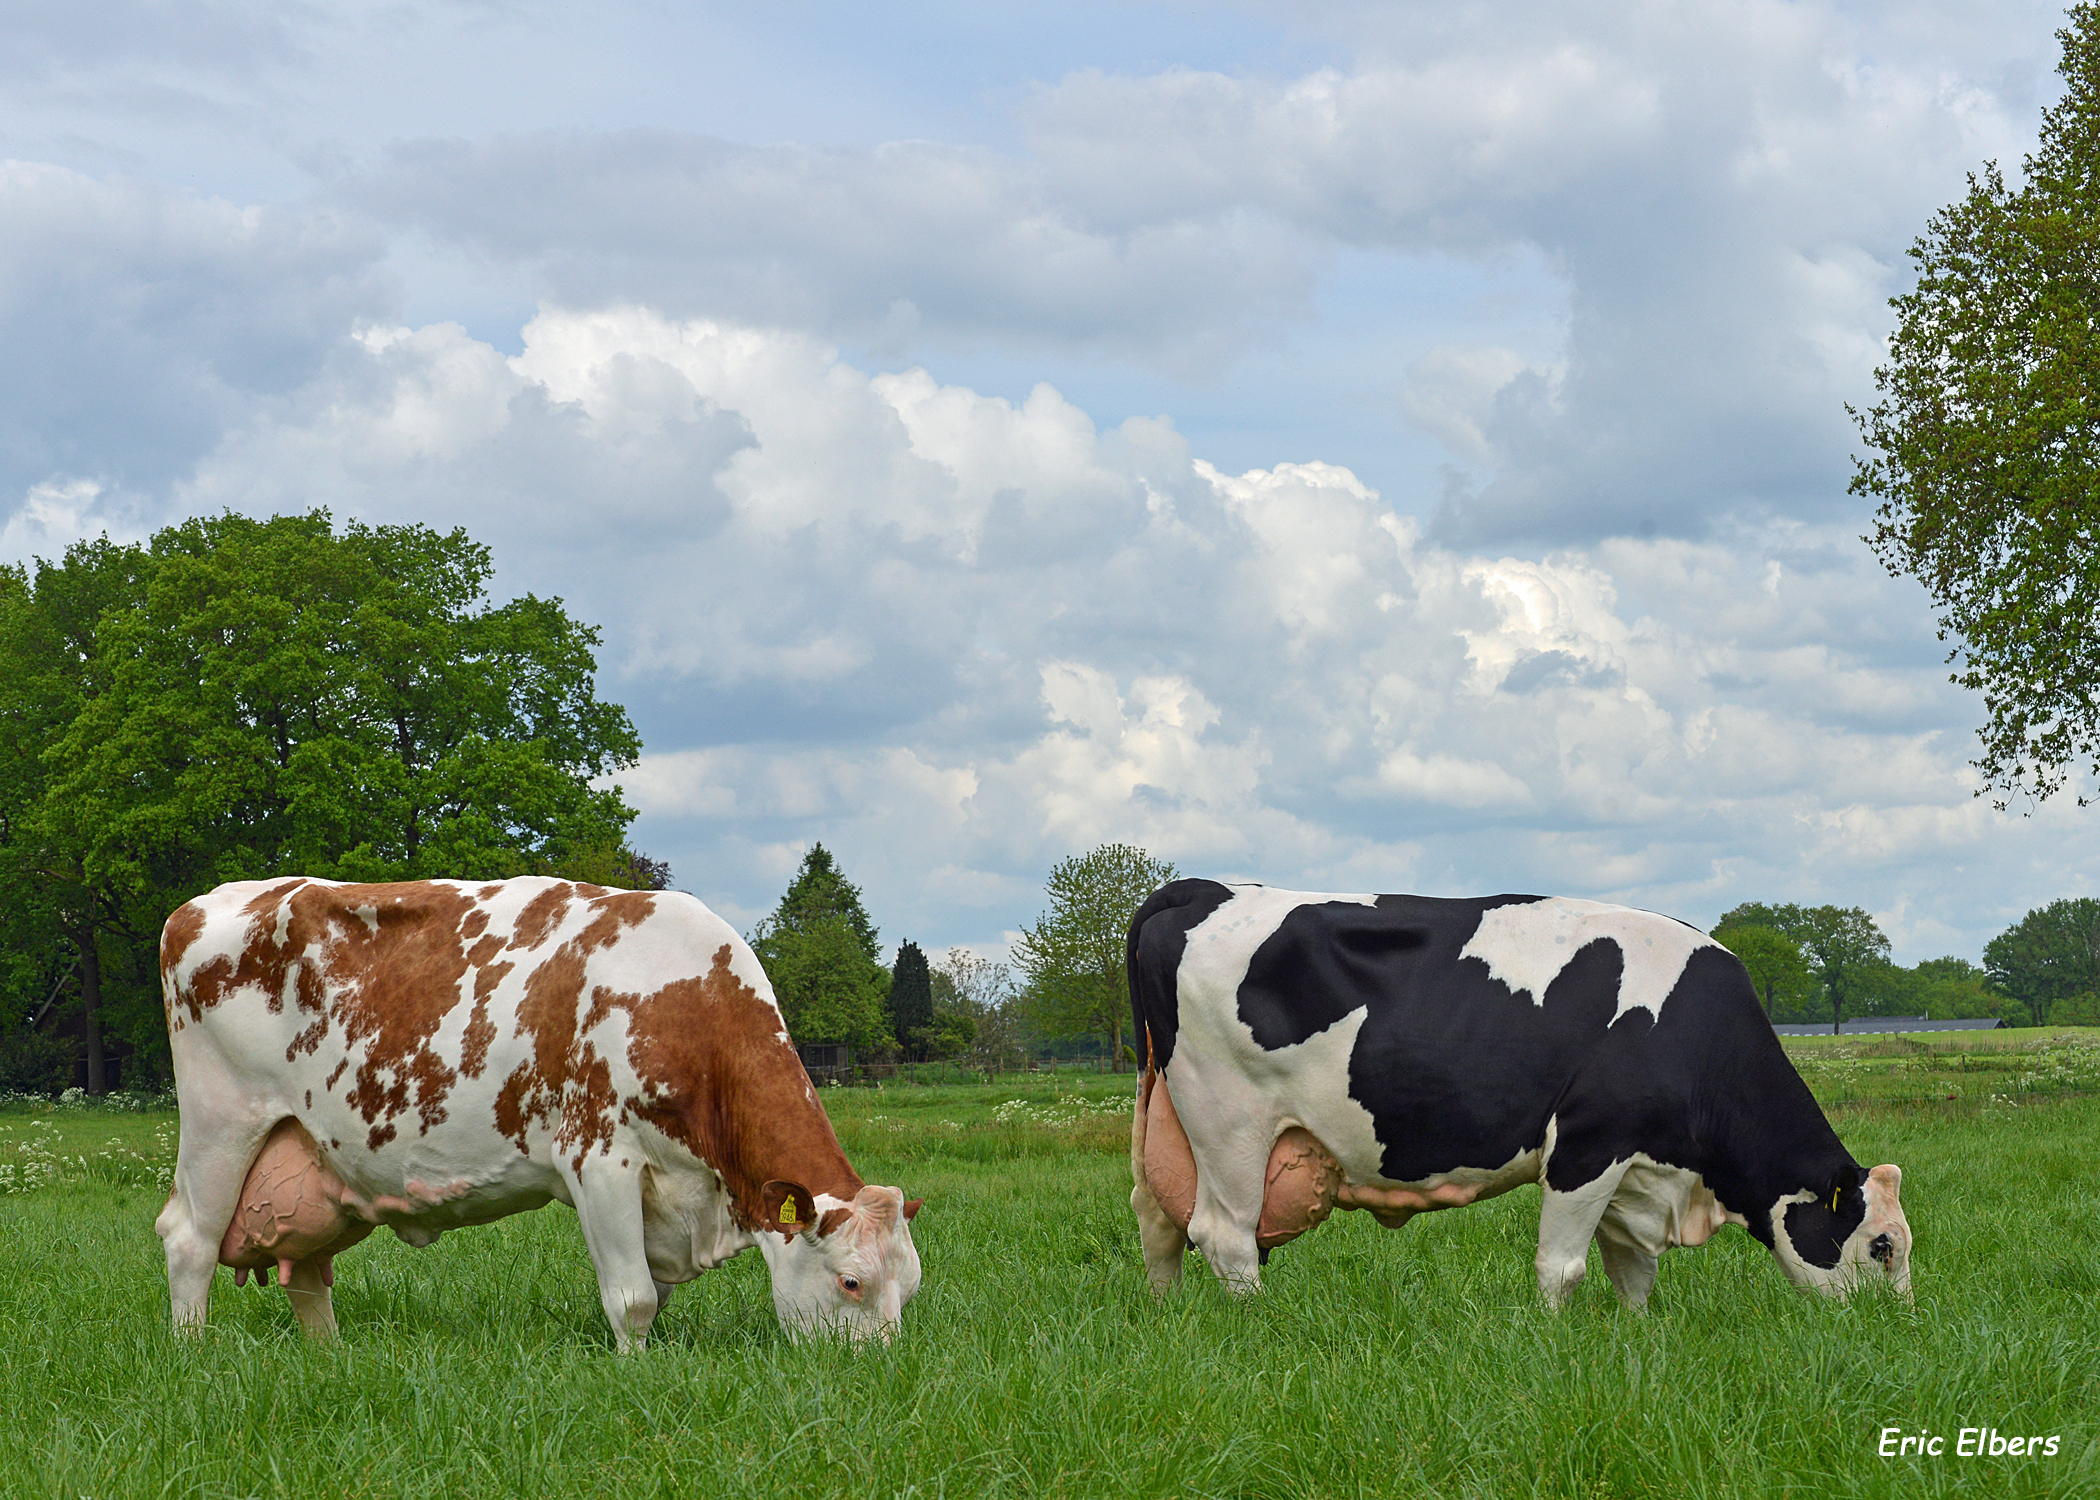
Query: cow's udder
(1298, 1185)
(291, 1207)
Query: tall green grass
(1035, 1363)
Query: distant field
(1035, 1363)
(1976, 1066)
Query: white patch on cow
(1250, 1094)
(1527, 945)
(369, 915)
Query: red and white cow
(441, 1053)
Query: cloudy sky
(1380, 446)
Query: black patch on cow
(1458, 1071)
(1159, 934)
(1321, 963)
(1818, 1234)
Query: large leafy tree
(245, 698)
(821, 952)
(1952, 988)
(1073, 959)
(2050, 955)
(1985, 445)
(1845, 949)
(1773, 959)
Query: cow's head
(1851, 1233)
(839, 1267)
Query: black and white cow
(1405, 1053)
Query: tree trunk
(91, 1007)
(1768, 999)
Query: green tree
(2050, 955)
(1073, 959)
(820, 950)
(1985, 458)
(910, 1002)
(1773, 959)
(1881, 988)
(1953, 989)
(247, 698)
(979, 992)
(61, 928)
(1844, 948)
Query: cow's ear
(912, 1207)
(786, 1208)
(1844, 1180)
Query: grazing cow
(442, 1053)
(1397, 1054)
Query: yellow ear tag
(788, 1214)
(1834, 1199)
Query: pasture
(1035, 1362)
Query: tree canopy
(1845, 950)
(1773, 959)
(820, 950)
(2049, 956)
(244, 698)
(1985, 458)
(1073, 959)
(910, 1002)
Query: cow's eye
(850, 1285)
(1882, 1248)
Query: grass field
(1035, 1363)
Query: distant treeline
(1825, 963)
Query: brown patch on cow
(539, 916)
(179, 934)
(329, 1085)
(476, 924)
(611, 913)
(484, 950)
(387, 982)
(717, 1078)
(264, 961)
(309, 1040)
(564, 1080)
(714, 1075)
(380, 1135)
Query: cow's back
(444, 1016)
(1451, 1030)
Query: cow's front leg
(1567, 1220)
(1630, 1268)
(609, 1207)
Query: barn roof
(1868, 1025)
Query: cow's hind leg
(211, 1166)
(609, 1207)
(1228, 1211)
(1163, 1240)
(1567, 1220)
(307, 1288)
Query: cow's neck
(1772, 1139)
(767, 1126)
